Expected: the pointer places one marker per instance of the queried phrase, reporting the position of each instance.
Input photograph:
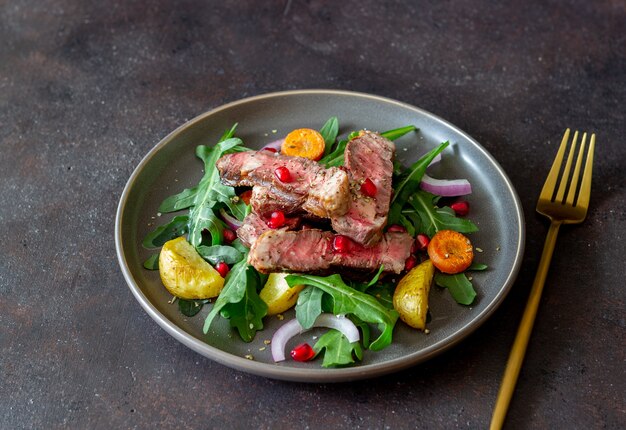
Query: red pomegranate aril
(421, 242)
(302, 352)
(460, 208)
(410, 263)
(368, 188)
(222, 269)
(396, 228)
(229, 235)
(277, 220)
(283, 174)
(342, 244)
(270, 149)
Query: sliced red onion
(446, 188)
(230, 220)
(293, 328)
(277, 144)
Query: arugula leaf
(240, 301)
(309, 306)
(329, 132)
(383, 293)
(190, 308)
(203, 218)
(459, 286)
(408, 183)
(478, 267)
(216, 253)
(229, 133)
(247, 315)
(152, 262)
(347, 300)
(433, 218)
(338, 351)
(362, 286)
(335, 157)
(176, 227)
(397, 133)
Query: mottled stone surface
(87, 88)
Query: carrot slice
(450, 251)
(245, 196)
(304, 142)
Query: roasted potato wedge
(277, 294)
(185, 273)
(411, 296)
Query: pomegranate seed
(229, 235)
(421, 242)
(302, 352)
(410, 263)
(460, 208)
(270, 149)
(342, 244)
(277, 220)
(283, 174)
(368, 188)
(396, 228)
(222, 268)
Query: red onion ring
(446, 188)
(277, 144)
(293, 328)
(230, 220)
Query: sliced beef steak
(368, 156)
(315, 189)
(254, 225)
(313, 251)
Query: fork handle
(518, 350)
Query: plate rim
(315, 375)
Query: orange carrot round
(304, 142)
(450, 251)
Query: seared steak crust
(317, 190)
(312, 251)
(367, 156)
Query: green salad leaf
(216, 253)
(329, 132)
(173, 229)
(309, 306)
(239, 301)
(407, 184)
(338, 351)
(397, 133)
(190, 308)
(433, 218)
(152, 262)
(348, 301)
(459, 287)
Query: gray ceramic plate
(171, 166)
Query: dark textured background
(87, 88)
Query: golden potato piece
(277, 294)
(185, 274)
(411, 296)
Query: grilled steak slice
(264, 202)
(254, 225)
(312, 251)
(320, 191)
(368, 156)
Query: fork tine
(548, 187)
(560, 195)
(585, 187)
(574, 182)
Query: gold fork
(560, 209)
